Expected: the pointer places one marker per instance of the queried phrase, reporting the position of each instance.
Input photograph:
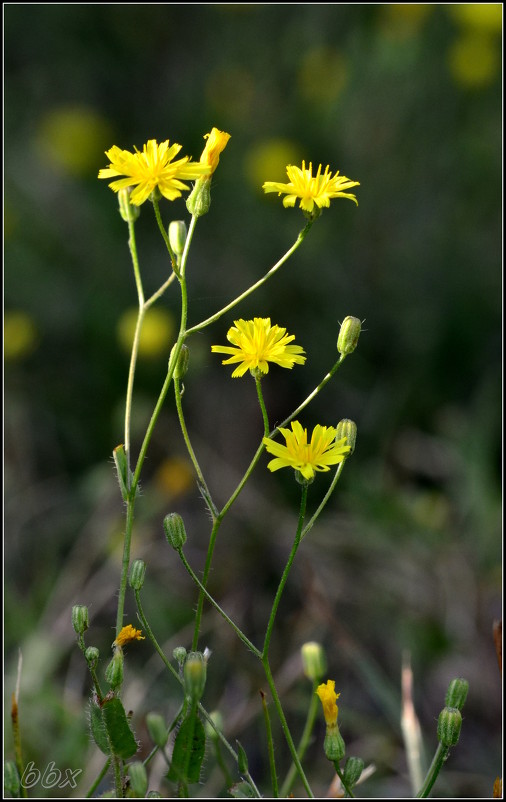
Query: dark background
(405, 99)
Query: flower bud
(199, 199)
(174, 530)
(179, 654)
(353, 768)
(347, 428)
(217, 720)
(114, 671)
(128, 212)
(314, 662)
(348, 335)
(194, 674)
(153, 795)
(137, 574)
(157, 729)
(182, 361)
(456, 694)
(92, 654)
(80, 620)
(138, 779)
(177, 236)
(124, 475)
(333, 744)
(448, 726)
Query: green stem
(118, 780)
(202, 483)
(441, 755)
(221, 763)
(187, 244)
(284, 725)
(270, 746)
(125, 563)
(207, 568)
(303, 744)
(159, 292)
(240, 634)
(258, 284)
(284, 577)
(325, 499)
(93, 787)
(16, 734)
(135, 346)
(312, 394)
(262, 405)
(149, 632)
(164, 234)
(348, 791)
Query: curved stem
(441, 755)
(303, 744)
(159, 292)
(339, 773)
(164, 234)
(255, 286)
(262, 405)
(312, 394)
(325, 499)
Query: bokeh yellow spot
(74, 139)
(404, 20)
(474, 60)
(267, 161)
(485, 17)
(20, 335)
(322, 75)
(174, 477)
(156, 334)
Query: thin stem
(207, 568)
(440, 756)
(339, 773)
(118, 780)
(284, 577)
(312, 394)
(202, 483)
(255, 286)
(159, 292)
(16, 734)
(164, 234)
(93, 787)
(187, 244)
(303, 744)
(270, 746)
(125, 563)
(240, 634)
(262, 405)
(135, 346)
(149, 632)
(284, 725)
(325, 499)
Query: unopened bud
(333, 744)
(128, 212)
(80, 620)
(199, 199)
(314, 662)
(456, 694)
(217, 719)
(174, 530)
(157, 729)
(194, 674)
(348, 335)
(114, 671)
(347, 428)
(182, 361)
(179, 654)
(92, 654)
(353, 768)
(138, 779)
(448, 726)
(137, 574)
(177, 236)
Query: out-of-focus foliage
(404, 98)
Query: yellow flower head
(328, 698)
(256, 344)
(151, 169)
(318, 455)
(128, 634)
(312, 190)
(216, 143)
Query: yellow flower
(312, 190)
(128, 634)
(256, 344)
(216, 143)
(151, 169)
(328, 698)
(318, 455)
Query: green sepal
(189, 749)
(11, 779)
(242, 790)
(242, 759)
(110, 729)
(124, 473)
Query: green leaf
(110, 729)
(188, 753)
(242, 790)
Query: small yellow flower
(328, 698)
(318, 455)
(128, 634)
(151, 169)
(256, 344)
(312, 190)
(216, 142)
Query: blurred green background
(405, 99)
